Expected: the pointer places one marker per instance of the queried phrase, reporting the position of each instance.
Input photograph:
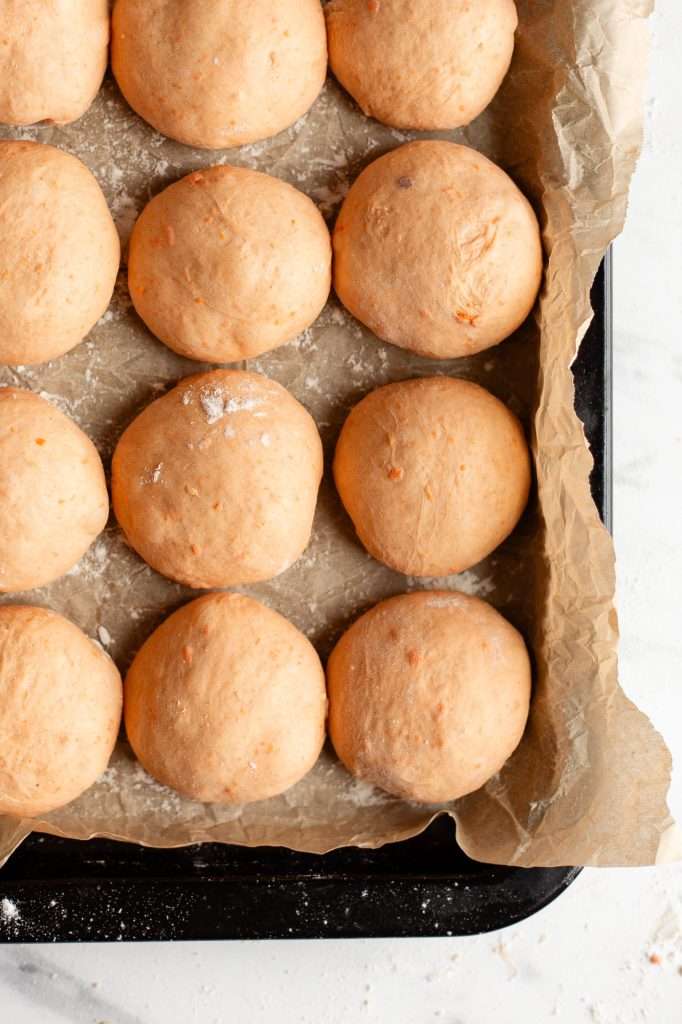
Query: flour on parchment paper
(567, 128)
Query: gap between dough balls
(215, 484)
(228, 263)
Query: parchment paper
(588, 783)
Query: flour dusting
(216, 404)
(8, 910)
(104, 636)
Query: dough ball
(437, 251)
(59, 252)
(60, 710)
(214, 73)
(421, 63)
(229, 263)
(428, 695)
(215, 484)
(434, 473)
(53, 496)
(226, 701)
(53, 56)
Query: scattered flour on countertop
(8, 910)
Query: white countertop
(610, 949)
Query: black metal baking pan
(106, 891)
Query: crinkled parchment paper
(588, 784)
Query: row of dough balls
(226, 701)
(215, 484)
(216, 74)
(435, 250)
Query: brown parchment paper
(588, 783)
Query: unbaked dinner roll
(428, 695)
(53, 495)
(53, 56)
(434, 473)
(421, 63)
(60, 710)
(214, 73)
(226, 701)
(59, 252)
(215, 484)
(229, 263)
(437, 251)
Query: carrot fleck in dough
(52, 60)
(464, 51)
(56, 292)
(266, 66)
(440, 520)
(440, 722)
(237, 500)
(246, 703)
(446, 269)
(57, 745)
(57, 504)
(259, 276)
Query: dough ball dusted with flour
(216, 483)
(434, 473)
(226, 701)
(60, 710)
(421, 63)
(428, 695)
(214, 73)
(53, 495)
(59, 252)
(229, 263)
(437, 251)
(52, 59)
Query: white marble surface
(587, 956)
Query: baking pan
(66, 891)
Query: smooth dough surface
(428, 695)
(229, 263)
(53, 55)
(53, 495)
(422, 64)
(437, 251)
(60, 710)
(215, 484)
(219, 73)
(434, 473)
(59, 252)
(226, 701)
